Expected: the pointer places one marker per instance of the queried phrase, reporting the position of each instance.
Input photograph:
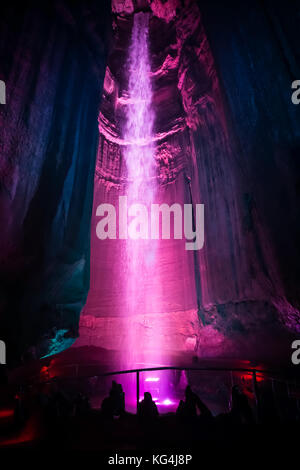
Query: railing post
(137, 390)
(256, 394)
(275, 398)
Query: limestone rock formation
(52, 59)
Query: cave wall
(52, 59)
(257, 58)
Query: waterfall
(139, 155)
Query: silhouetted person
(188, 408)
(147, 409)
(114, 387)
(108, 406)
(114, 404)
(120, 401)
(240, 409)
(118, 397)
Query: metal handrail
(253, 371)
(212, 369)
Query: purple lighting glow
(139, 155)
(152, 379)
(167, 402)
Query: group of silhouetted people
(114, 405)
(189, 408)
(55, 413)
(52, 403)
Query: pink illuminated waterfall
(138, 132)
(139, 155)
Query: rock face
(53, 61)
(230, 297)
(226, 135)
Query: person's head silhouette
(188, 393)
(147, 397)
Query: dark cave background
(52, 58)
